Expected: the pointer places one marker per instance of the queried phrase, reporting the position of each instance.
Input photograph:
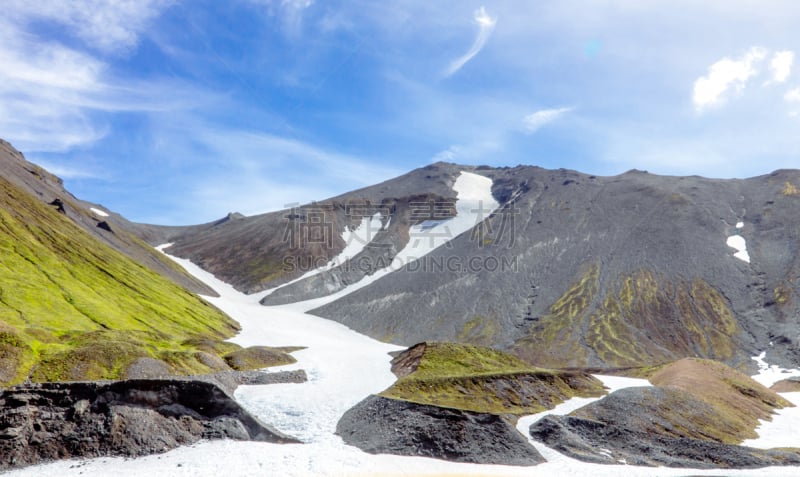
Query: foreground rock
(43, 422)
(694, 417)
(380, 425)
(636, 443)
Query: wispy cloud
(69, 172)
(53, 96)
(726, 74)
(781, 65)
(290, 13)
(447, 155)
(38, 86)
(260, 172)
(486, 25)
(108, 26)
(535, 121)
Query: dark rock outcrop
(123, 418)
(649, 426)
(379, 425)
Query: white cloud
(50, 93)
(486, 26)
(725, 74)
(535, 121)
(793, 96)
(781, 65)
(106, 25)
(447, 155)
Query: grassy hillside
(480, 379)
(735, 402)
(73, 308)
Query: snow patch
(781, 431)
(739, 225)
(738, 242)
(98, 212)
(770, 374)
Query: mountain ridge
(653, 247)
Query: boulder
(380, 425)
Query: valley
(537, 391)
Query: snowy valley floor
(344, 367)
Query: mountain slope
(267, 250)
(108, 227)
(573, 270)
(609, 272)
(73, 308)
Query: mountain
(101, 224)
(571, 270)
(250, 252)
(79, 301)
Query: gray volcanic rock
(379, 425)
(578, 270)
(648, 426)
(124, 418)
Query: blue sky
(181, 111)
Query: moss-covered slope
(643, 319)
(480, 379)
(73, 308)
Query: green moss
(79, 308)
(790, 190)
(482, 379)
(16, 355)
(478, 330)
(782, 294)
(555, 340)
(643, 320)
